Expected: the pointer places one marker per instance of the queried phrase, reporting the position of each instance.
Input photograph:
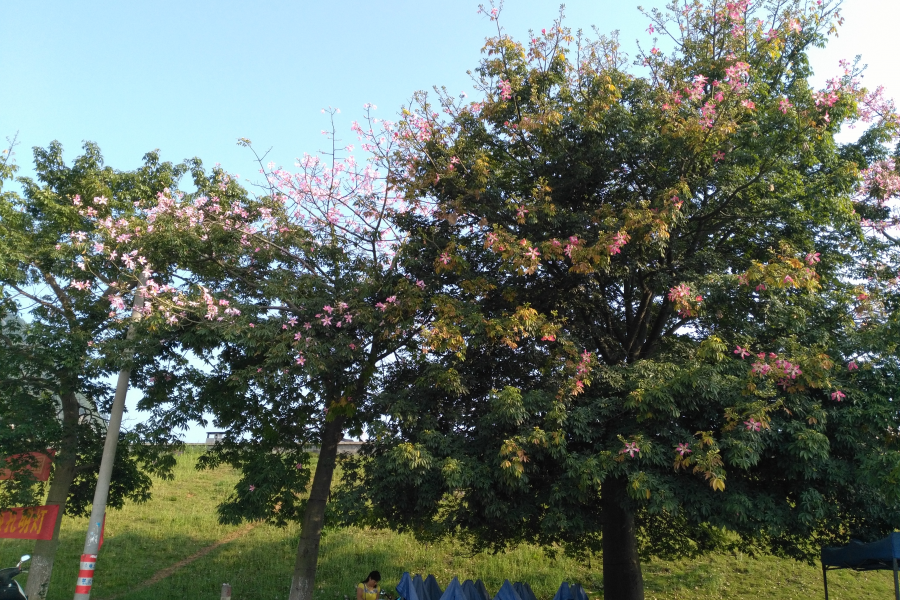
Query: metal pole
(98, 510)
(825, 578)
(896, 583)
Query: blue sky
(189, 77)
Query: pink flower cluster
(881, 181)
(620, 239)
(685, 301)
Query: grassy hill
(180, 522)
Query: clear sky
(189, 77)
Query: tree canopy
(59, 341)
(278, 310)
(708, 279)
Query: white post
(98, 510)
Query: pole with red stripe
(104, 475)
(86, 574)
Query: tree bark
(41, 567)
(303, 582)
(622, 578)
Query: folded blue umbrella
(469, 590)
(432, 589)
(454, 591)
(406, 589)
(507, 592)
(419, 586)
(524, 591)
(563, 593)
(479, 586)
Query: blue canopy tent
(524, 591)
(566, 592)
(432, 589)
(406, 589)
(475, 591)
(419, 586)
(875, 556)
(454, 591)
(507, 592)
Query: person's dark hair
(374, 576)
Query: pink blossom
(445, 258)
(838, 395)
(505, 89)
(532, 254)
(753, 424)
(683, 448)
(301, 360)
(631, 448)
(761, 368)
(326, 320)
(117, 302)
(852, 366)
(381, 305)
(328, 309)
(742, 351)
(812, 258)
(252, 488)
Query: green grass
(181, 520)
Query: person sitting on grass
(369, 588)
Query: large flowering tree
(280, 310)
(59, 341)
(726, 267)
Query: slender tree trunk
(41, 566)
(622, 578)
(304, 579)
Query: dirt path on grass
(163, 573)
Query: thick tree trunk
(304, 578)
(41, 565)
(622, 578)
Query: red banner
(40, 465)
(32, 523)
